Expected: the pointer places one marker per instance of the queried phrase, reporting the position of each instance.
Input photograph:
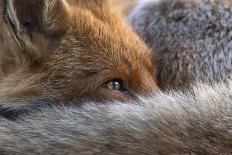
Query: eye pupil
(114, 85)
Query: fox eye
(115, 84)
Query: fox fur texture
(43, 120)
(198, 122)
(191, 39)
(67, 49)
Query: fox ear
(37, 24)
(37, 15)
(25, 14)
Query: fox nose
(148, 85)
(145, 83)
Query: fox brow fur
(197, 121)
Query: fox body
(191, 39)
(70, 49)
(197, 122)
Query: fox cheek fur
(68, 49)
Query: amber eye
(115, 84)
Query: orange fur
(67, 49)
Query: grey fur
(192, 39)
(198, 121)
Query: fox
(195, 122)
(70, 49)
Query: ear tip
(10, 13)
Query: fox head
(68, 49)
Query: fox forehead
(91, 39)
